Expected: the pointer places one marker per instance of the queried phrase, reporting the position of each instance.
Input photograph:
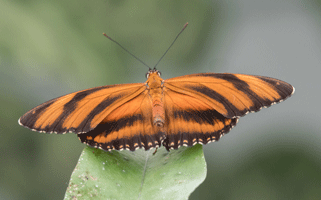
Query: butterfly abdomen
(156, 96)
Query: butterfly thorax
(154, 85)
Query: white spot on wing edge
(293, 90)
(19, 122)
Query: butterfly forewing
(232, 95)
(80, 111)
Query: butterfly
(181, 111)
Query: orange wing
(81, 111)
(200, 108)
(129, 126)
(190, 120)
(232, 95)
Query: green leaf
(137, 175)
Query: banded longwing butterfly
(181, 111)
(197, 108)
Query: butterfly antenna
(126, 50)
(171, 45)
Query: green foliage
(137, 175)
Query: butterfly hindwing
(190, 121)
(129, 126)
(80, 111)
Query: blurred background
(51, 48)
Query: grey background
(51, 48)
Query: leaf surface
(137, 175)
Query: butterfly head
(153, 72)
(153, 78)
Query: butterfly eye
(147, 74)
(159, 73)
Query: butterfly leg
(165, 143)
(155, 151)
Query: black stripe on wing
(283, 89)
(124, 140)
(187, 128)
